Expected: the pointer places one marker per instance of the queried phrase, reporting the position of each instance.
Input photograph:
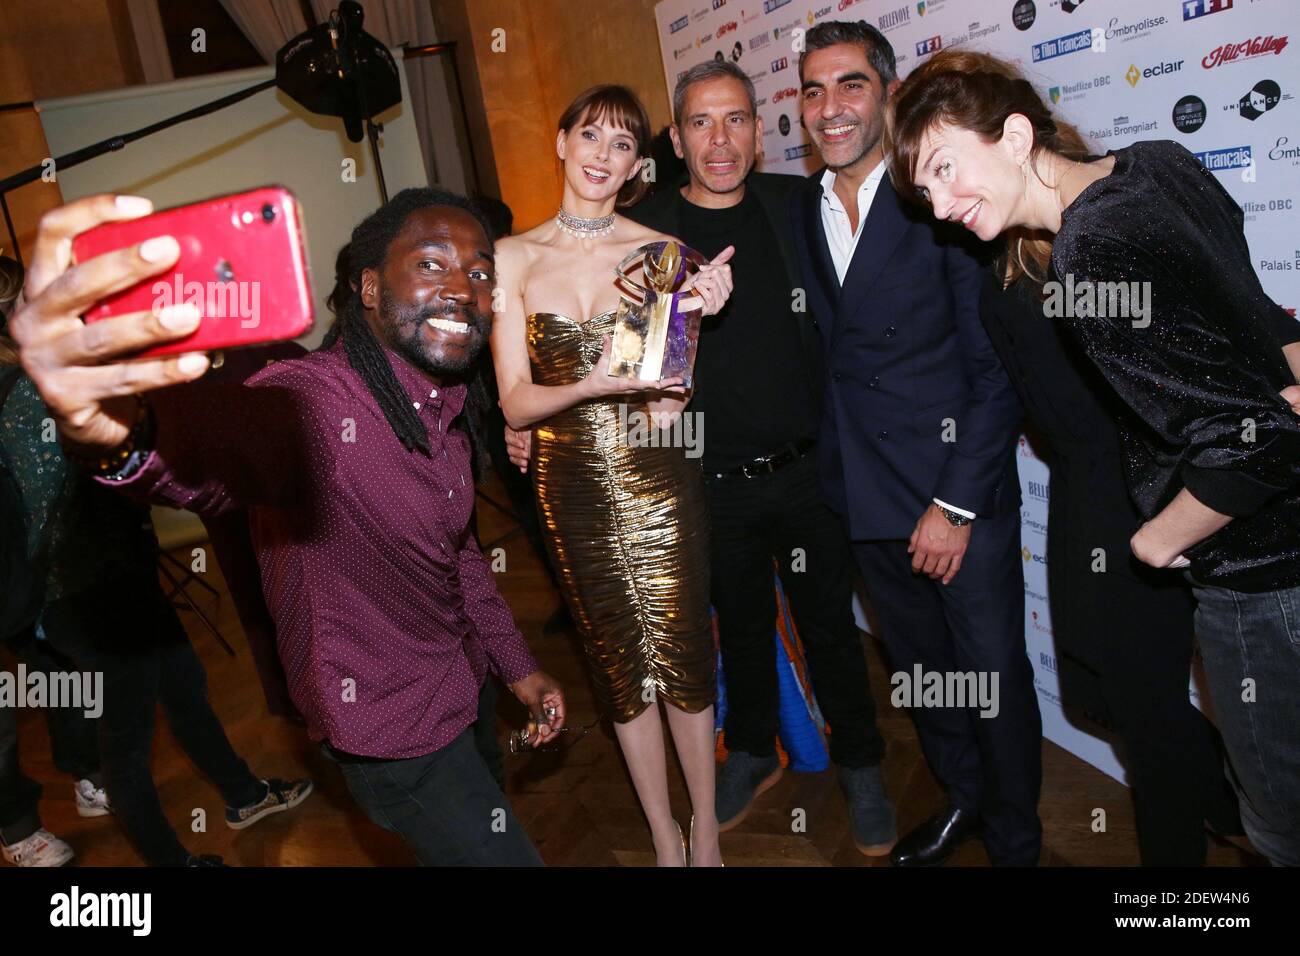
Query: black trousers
(989, 765)
(73, 740)
(781, 516)
(127, 629)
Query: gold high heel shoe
(686, 859)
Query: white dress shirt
(840, 235)
(842, 239)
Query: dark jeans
(989, 765)
(128, 630)
(484, 728)
(1255, 638)
(445, 805)
(73, 740)
(756, 520)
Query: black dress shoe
(934, 840)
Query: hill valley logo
(1246, 50)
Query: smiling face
(719, 134)
(843, 104)
(431, 301)
(599, 157)
(971, 181)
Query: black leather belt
(787, 454)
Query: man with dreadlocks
(354, 462)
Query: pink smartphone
(243, 262)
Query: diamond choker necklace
(584, 228)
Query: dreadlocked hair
(368, 249)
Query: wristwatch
(954, 519)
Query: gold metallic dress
(627, 530)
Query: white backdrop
(265, 139)
(1218, 76)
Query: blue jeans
(1257, 637)
(445, 805)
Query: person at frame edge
(104, 611)
(1212, 444)
(329, 507)
(759, 391)
(25, 840)
(918, 449)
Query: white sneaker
(42, 848)
(92, 801)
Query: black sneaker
(740, 781)
(281, 795)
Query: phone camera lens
(268, 213)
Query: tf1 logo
(1200, 8)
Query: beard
(405, 324)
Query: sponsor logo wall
(1221, 77)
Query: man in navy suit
(917, 453)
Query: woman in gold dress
(626, 524)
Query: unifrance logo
(928, 46)
(1061, 46)
(1203, 8)
(1246, 50)
(1217, 160)
(1261, 98)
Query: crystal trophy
(657, 328)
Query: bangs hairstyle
(976, 92)
(618, 106)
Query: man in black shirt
(758, 389)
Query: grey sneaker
(870, 811)
(740, 781)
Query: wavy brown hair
(621, 108)
(976, 92)
(11, 283)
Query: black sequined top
(1203, 376)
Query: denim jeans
(1256, 637)
(445, 805)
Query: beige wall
(554, 49)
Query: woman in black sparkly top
(1151, 278)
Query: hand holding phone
(242, 263)
(79, 369)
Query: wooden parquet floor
(578, 804)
